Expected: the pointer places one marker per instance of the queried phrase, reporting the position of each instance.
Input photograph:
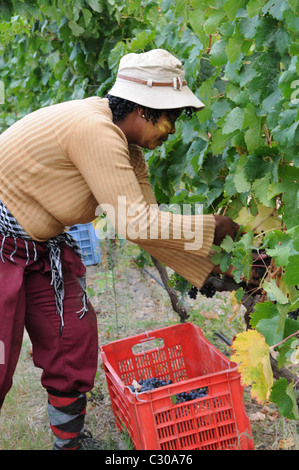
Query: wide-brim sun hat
(154, 79)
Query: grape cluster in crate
(153, 382)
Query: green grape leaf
(265, 310)
(233, 121)
(274, 291)
(234, 47)
(292, 271)
(218, 53)
(284, 396)
(232, 6)
(254, 7)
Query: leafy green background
(239, 156)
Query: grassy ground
(128, 302)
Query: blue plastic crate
(86, 237)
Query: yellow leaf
(236, 305)
(252, 354)
(264, 219)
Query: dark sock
(67, 414)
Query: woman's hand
(224, 226)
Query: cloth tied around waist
(9, 227)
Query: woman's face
(154, 135)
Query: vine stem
(284, 340)
(210, 44)
(269, 137)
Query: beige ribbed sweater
(59, 163)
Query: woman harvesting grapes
(57, 165)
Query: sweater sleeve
(118, 178)
(183, 262)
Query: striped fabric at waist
(9, 227)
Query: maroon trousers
(69, 360)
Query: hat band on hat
(177, 83)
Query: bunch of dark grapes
(193, 292)
(153, 382)
(208, 290)
(150, 384)
(192, 395)
(294, 315)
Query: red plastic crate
(152, 419)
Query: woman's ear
(141, 112)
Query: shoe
(87, 442)
(84, 441)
